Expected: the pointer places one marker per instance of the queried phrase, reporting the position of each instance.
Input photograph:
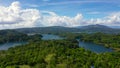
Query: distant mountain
(97, 26)
(115, 27)
(52, 29)
(9, 32)
(60, 29)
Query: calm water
(51, 37)
(94, 47)
(89, 46)
(11, 44)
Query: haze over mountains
(59, 29)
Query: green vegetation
(14, 36)
(56, 54)
(66, 53)
(108, 40)
(11, 36)
(60, 29)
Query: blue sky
(90, 9)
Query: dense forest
(15, 36)
(66, 53)
(108, 40)
(60, 29)
(11, 36)
(56, 54)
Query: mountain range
(79, 29)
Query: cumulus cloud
(111, 20)
(114, 18)
(14, 16)
(10, 15)
(52, 19)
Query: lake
(5, 46)
(51, 37)
(13, 44)
(94, 47)
(89, 46)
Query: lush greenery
(14, 36)
(108, 40)
(66, 53)
(56, 54)
(60, 29)
(11, 36)
(45, 30)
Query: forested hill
(59, 29)
(52, 29)
(11, 36)
(99, 28)
(9, 32)
(15, 36)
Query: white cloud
(115, 18)
(112, 19)
(52, 19)
(9, 15)
(14, 16)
